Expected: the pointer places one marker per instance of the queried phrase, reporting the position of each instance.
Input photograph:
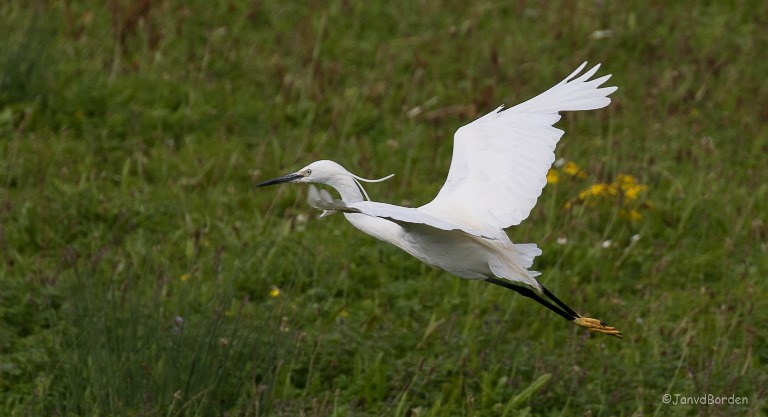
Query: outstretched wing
(322, 200)
(500, 160)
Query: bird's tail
(513, 263)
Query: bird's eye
(308, 172)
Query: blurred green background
(142, 274)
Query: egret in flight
(498, 170)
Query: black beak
(280, 180)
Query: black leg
(561, 309)
(564, 312)
(558, 302)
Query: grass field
(143, 275)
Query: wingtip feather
(576, 72)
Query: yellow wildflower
(633, 214)
(631, 193)
(343, 313)
(629, 186)
(274, 292)
(573, 170)
(626, 180)
(598, 190)
(552, 177)
(184, 277)
(622, 192)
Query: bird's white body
(497, 172)
(460, 254)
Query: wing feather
(322, 200)
(500, 160)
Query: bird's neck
(348, 189)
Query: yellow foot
(595, 325)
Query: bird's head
(323, 172)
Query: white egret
(497, 172)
